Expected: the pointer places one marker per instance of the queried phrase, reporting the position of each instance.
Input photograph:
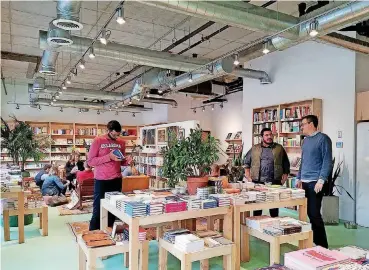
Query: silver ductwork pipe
(130, 54)
(67, 12)
(84, 105)
(160, 101)
(252, 74)
(234, 13)
(48, 62)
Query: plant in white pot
(330, 204)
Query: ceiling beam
(20, 57)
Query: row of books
(290, 126)
(86, 131)
(157, 161)
(259, 139)
(62, 131)
(267, 115)
(39, 130)
(259, 127)
(290, 142)
(296, 112)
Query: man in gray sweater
(316, 166)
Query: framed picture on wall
(162, 135)
(150, 136)
(229, 136)
(144, 137)
(238, 135)
(181, 133)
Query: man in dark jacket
(45, 170)
(267, 162)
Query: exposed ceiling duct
(48, 62)
(130, 54)
(68, 15)
(253, 74)
(160, 101)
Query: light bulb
(236, 62)
(80, 111)
(160, 91)
(104, 37)
(110, 108)
(203, 109)
(265, 48)
(63, 86)
(194, 110)
(61, 109)
(120, 17)
(68, 80)
(313, 29)
(91, 53)
(39, 107)
(17, 107)
(190, 78)
(82, 64)
(98, 111)
(212, 107)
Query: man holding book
(106, 155)
(267, 162)
(316, 166)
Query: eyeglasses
(303, 124)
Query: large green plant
(22, 143)
(190, 156)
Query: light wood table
(241, 211)
(135, 223)
(20, 212)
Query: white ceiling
(21, 21)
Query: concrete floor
(58, 251)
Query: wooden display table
(88, 256)
(227, 251)
(20, 212)
(241, 211)
(135, 223)
(276, 241)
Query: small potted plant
(190, 159)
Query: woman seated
(73, 165)
(85, 175)
(53, 185)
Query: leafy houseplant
(233, 168)
(330, 204)
(189, 159)
(22, 143)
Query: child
(53, 185)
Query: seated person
(215, 170)
(73, 165)
(86, 174)
(45, 171)
(53, 185)
(130, 170)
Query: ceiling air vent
(58, 37)
(68, 15)
(67, 24)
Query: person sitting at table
(41, 175)
(130, 169)
(53, 185)
(85, 175)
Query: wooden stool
(227, 251)
(276, 241)
(88, 256)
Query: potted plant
(189, 159)
(330, 203)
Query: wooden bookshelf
(285, 122)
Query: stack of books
(261, 222)
(109, 194)
(305, 226)
(203, 193)
(354, 253)
(272, 196)
(141, 233)
(261, 197)
(239, 199)
(347, 266)
(135, 209)
(314, 258)
(274, 267)
(189, 243)
(284, 194)
(193, 203)
(222, 199)
(170, 235)
(175, 206)
(297, 193)
(209, 203)
(154, 208)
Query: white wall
(311, 70)
(19, 93)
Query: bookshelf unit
(69, 137)
(285, 120)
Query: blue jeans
(314, 205)
(100, 187)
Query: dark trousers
(274, 212)
(100, 187)
(314, 205)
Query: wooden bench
(88, 256)
(85, 191)
(131, 183)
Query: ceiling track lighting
(313, 28)
(221, 105)
(194, 110)
(190, 78)
(82, 64)
(39, 107)
(54, 98)
(91, 54)
(133, 115)
(120, 16)
(236, 62)
(109, 108)
(61, 109)
(266, 48)
(17, 107)
(80, 111)
(160, 91)
(63, 86)
(212, 107)
(130, 101)
(98, 111)
(51, 102)
(203, 109)
(68, 81)
(105, 34)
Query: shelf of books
(234, 141)
(285, 122)
(68, 138)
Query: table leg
(163, 258)
(103, 217)
(126, 259)
(210, 223)
(221, 225)
(40, 216)
(231, 262)
(186, 263)
(275, 251)
(81, 259)
(236, 235)
(245, 244)
(144, 256)
(45, 221)
(204, 265)
(191, 224)
(6, 225)
(21, 217)
(133, 244)
(302, 217)
(227, 231)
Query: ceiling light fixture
(190, 78)
(61, 109)
(91, 54)
(57, 94)
(221, 105)
(110, 108)
(133, 115)
(80, 111)
(54, 98)
(69, 79)
(39, 107)
(313, 28)
(63, 86)
(236, 62)
(17, 107)
(212, 107)
(105, 34)
(130, 101)
(51, 102)
(203, 109)
(116, 113)
(120, 16)
(194, 110)
(266, 48)
(160, 91)
(98, 111)
(82, 64)
(116, 106)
